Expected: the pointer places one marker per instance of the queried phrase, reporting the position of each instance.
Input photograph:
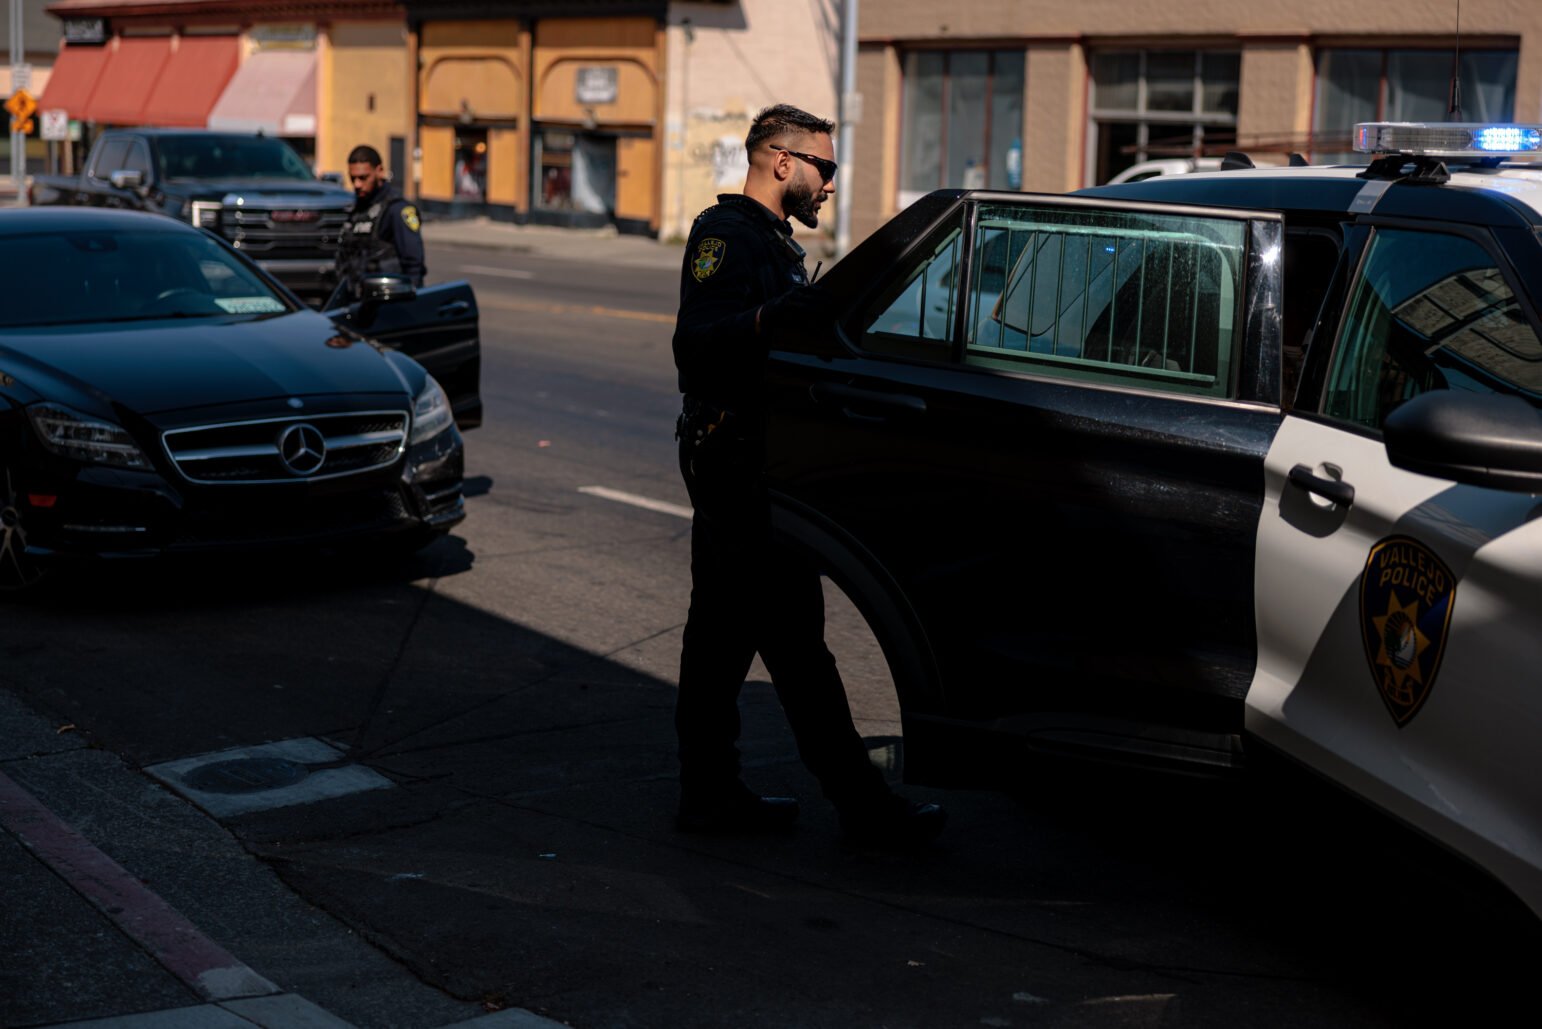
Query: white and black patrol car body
(1172, 470)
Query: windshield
(71, 278)
(229, 157)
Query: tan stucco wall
(438, 145)
(1274, 96)
(875, 173)
(478, 69)
(744, 57)
(1055, 118)
(361, 59)
(479, 64)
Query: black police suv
(1179, 470)
(159, 392)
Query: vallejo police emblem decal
(709, 255)
(1406, 597)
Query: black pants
(749, 596)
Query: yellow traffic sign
(24, 126)
(21, 104)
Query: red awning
(192, 80)
(122, 94)
(74, 76)
(274, 92)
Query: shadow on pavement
(525, 854)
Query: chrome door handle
(1334, 490)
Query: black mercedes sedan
(160, 393)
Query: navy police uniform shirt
(739, 256)
(382, 235)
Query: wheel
(18, 571)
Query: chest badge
(709, 257)
(1406, 597)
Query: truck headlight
(205, 214)
(74, 435)
(431, 413)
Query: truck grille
(283, 231)
(296, 449)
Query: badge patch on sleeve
(1406, 597)
(709, 257)
(410, 216)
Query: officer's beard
(801, 202)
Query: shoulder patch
(410, 216)
(1406, 597)
(708, 258)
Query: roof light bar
(1449, 139)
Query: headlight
(74, 435)
(430, 412)
(205, 214)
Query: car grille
(250, 452)
(283, 231)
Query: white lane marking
(502, 273)
(647, 503)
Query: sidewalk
(561, 244)
(88, 940)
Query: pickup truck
(255, 191)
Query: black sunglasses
(825, 168)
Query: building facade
(324, 75)
(593, 112)
(726, 62)
(541, 112)
(1026, 94)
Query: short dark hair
(365, 155)
(781, 120)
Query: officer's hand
(800, 309)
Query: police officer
(742, 284)
(381, 235)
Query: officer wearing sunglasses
(742, 286)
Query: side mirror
(126, 179)
(333, 177)
(1480, 439)
(385, 289)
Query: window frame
(1254, 368)
(99, 170)
(1368, 227)
(947, 52)
(1196, 116)
(1316, 137)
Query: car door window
(109, 159)
(1132, 298)
(1429, 311)
(137, 159)
(914, 316)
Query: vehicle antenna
(1455, 109)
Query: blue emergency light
(1448, 139)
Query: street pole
(850, 114)
(18, 141)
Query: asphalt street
(499, 840)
